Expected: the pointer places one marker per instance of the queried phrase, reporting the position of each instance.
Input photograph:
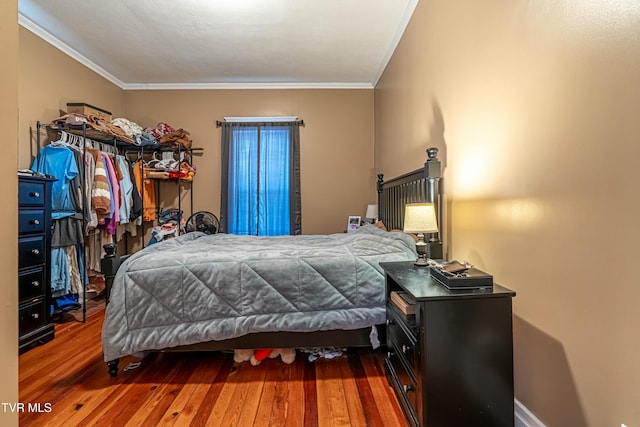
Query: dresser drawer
(32, 316)
(31, 251)
(398, 332)
(31, 221)
(31, 284)
(31, 193)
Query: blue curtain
(273, 195)
(243, 181)
(260, 163)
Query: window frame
(295, 211)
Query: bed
(225, 292)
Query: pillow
(415, 237)
(380, 225)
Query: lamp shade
(372, 211)
(420, 218)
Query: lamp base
(421, 262)
(421, 249)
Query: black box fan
(203, 221)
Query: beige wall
(9, 190)
(336, 143)
(48, 80)
(535, 107)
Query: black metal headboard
(420, 186)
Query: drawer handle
(35, 315)
(407, 388)
(389, 354)
(34, 194)
(35, 222)
(389, 322)
(35, 251)
(405, 348)
(35, 283)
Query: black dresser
(450, 362)
(34, 261)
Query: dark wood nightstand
(450, 363)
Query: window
(261, 178)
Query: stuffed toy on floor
(255, 357)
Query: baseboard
(524, 417)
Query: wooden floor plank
(310, 396)
(295, 397)
(353, 393)
(367, 399)
(183, 408)
(266, 405)
(76, 399)
(385, 400)
(199, 389)
(112, 394)
(332, 402)
(250, 393)
(120, 409)
(157, 402)
(225, 398)
(75, 336)
(54, 365)
(208, 403)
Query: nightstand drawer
(31, 221)
(398, 332)
(403, 383)
(31, 251)
(31, 193)
(32, 316)
(31, 284)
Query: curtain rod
(298, 122)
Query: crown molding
(65, 48)
(248, 85)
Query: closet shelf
(119, 139)
(170, 179)
(154, 178)
(122, 141)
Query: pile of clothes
(169, 225)
(94, 123)
(167, 135)
(169, 168)
(125, 130)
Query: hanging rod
(264, 120)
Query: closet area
(103, 185)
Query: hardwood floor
(68, 379)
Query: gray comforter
(198, 288)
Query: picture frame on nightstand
(353, 223)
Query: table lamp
(372, 212)
(420, 218)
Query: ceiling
(168, 44)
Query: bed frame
(420, 185)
